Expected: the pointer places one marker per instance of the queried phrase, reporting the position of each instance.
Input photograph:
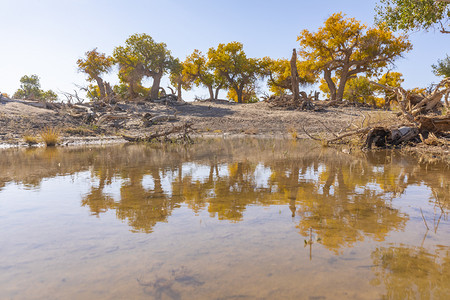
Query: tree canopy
(344, 47)
(30, 88)
(278, 72)
(197, 70)
(143, 57)
(442, 68)
(409, 15)
(232, 65)
(94, 65)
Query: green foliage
(143, 57)
(442, 68)
(30, 88)
(231, 64)
(411, 15)
(49, 95)
(121, 90)
(344, 47)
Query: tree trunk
(179, 88)
(155, 87)
(331, 85)
(342, 82)
(294, 75)
(211, 92)
(239, 94)
(216, 95)
(179, 93)
(101, 87)
(131, 90)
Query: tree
(391, 79)
(94, 65)
(359, 89)
(411, 15)
(197, 70)
(30, 88)
(344, 47)
(279, 75)
(230, 63)
(178, 79)
(143, 57)
(248, 94)
(442, 68)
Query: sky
(46, 37)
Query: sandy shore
(219, 118)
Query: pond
(222, 219)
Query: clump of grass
(293, 132)
(30, 140)
(50, 136)
(217, 131)
(83, 131)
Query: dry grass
(83, 131)
(293, 132)
(50, 136)
(378, 118)
(30, 140)
(251, 130)
(433, 140)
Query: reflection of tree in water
(329, 201)
(412, 273)
(343, 198)
(342, 208)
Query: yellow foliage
(248, 95)
(344, 47)
(30, 140)
(279, 73)
(236, 70)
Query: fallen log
(434, 123)
(163, 118)
(184, 130)
(385, 137)
(109, 117)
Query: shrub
(30, 140)
(50, 136)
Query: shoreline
(211, 119)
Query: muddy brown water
(222, 219)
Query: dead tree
(294, 76)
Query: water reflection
(394, 265)
(350, 205)
(343, 198)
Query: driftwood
(183, 130)
(109, 117)
(288, 102)
(434, 123)
(385, 138)
(413, 105)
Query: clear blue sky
(46, 37)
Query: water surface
(222, 219)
